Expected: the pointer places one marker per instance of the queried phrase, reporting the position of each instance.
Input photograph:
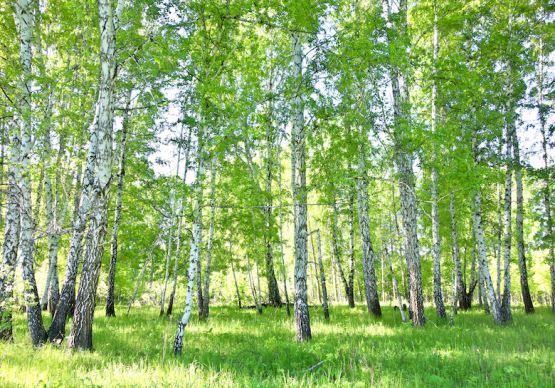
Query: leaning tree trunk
(438, 297)
(506, 302)
(395, 287)
(322, 278)
(206, 290)
(527, 298)
(140, 279)
(368, 268)
(85, 302)
(169, 311)
(455, 252)
(195, 247)
(273, 289)
(299, 195)
(57, 331)
(234, 276)
(110, 300)
(168, 255)
(337, 253)
(479, 231)
(547, 198)
(404, 161)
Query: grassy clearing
(238, 348)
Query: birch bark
(438, 297)
(404, 161)
(525, 288)
(81, 331)
(299, 194)
(206, 290)
(455, 252)
(24, 23)
(506, 301)
(479, 232)
(546, 196)
(368, 256)
(195, 247)
(281, 236)
(110, 299)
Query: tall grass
(239, 348)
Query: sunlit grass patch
(239, 348)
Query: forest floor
(239, 348)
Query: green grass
(238, 348)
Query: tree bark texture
(526, 297)
(110, 299)
(404, 161)
(195, 247)
(436, 248)
(368, 255)
(299, 194)
(85, 302)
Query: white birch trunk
(547, 197)
(506, 302)
(281, 236)
(85, 303)
(195, 247)
(110, 299)
(404, 161)
(368, 255)
(206, 290)
(479, 234)
(299, 194)
(525, 288)
(438, 297)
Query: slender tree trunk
(337, 254)
(299, 195)
(506, 303)
(368, 255)
(455, 252)
(168, 255)
(234, 276)
(206, 291)
(404, 161)
(81, 331)
(195, 247)
(395, 287)
(527, 298)
(438, 297)
(542, 109)
(351, 252)
(482, 290)
(110, 303)
(479, 234)
(149, 257)
(322, 278)
(253, 289)
(499, 222)
(281, 237)
(169, 311)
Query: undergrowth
(239, 348)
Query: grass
(238, 348)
